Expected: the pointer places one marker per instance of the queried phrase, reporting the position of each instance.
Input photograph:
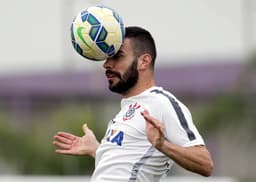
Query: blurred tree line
(26, 146)
(235, 108)
(231, 117)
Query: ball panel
(94, 31)
(111, 50)
(102, 34)
(92, 20)
(84, 16)
(103, 46)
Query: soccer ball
(97, 32)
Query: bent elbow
(208, 169)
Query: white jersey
(126, 155)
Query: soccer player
(152, 130)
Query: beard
(127, 80)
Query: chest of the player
(129, 117)
(128, 126)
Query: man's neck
(139, 88)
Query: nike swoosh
(79, 33)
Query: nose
(108, 63)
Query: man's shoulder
(160, 92)
(165, 97)
(158, 96)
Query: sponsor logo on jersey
(114, 136)
(131, 111)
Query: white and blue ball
(97, 32)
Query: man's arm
(70, 144)
(196, 158)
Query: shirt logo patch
(131, 111)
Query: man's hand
(154, 130)
(70, 144)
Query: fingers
(62, 139)
(66, 135)
(145, 112)
(61, 145)
(149, 119)
(85, 128)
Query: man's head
(142, 42)
(136, 55)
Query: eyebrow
(120, 51)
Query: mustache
(117, 74)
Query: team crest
(131, 111)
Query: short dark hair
(142, 41)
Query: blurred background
(206, 57)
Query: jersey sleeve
(179, 126)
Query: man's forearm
(196, 159)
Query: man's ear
(144, 61)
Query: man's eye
(117, 56)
